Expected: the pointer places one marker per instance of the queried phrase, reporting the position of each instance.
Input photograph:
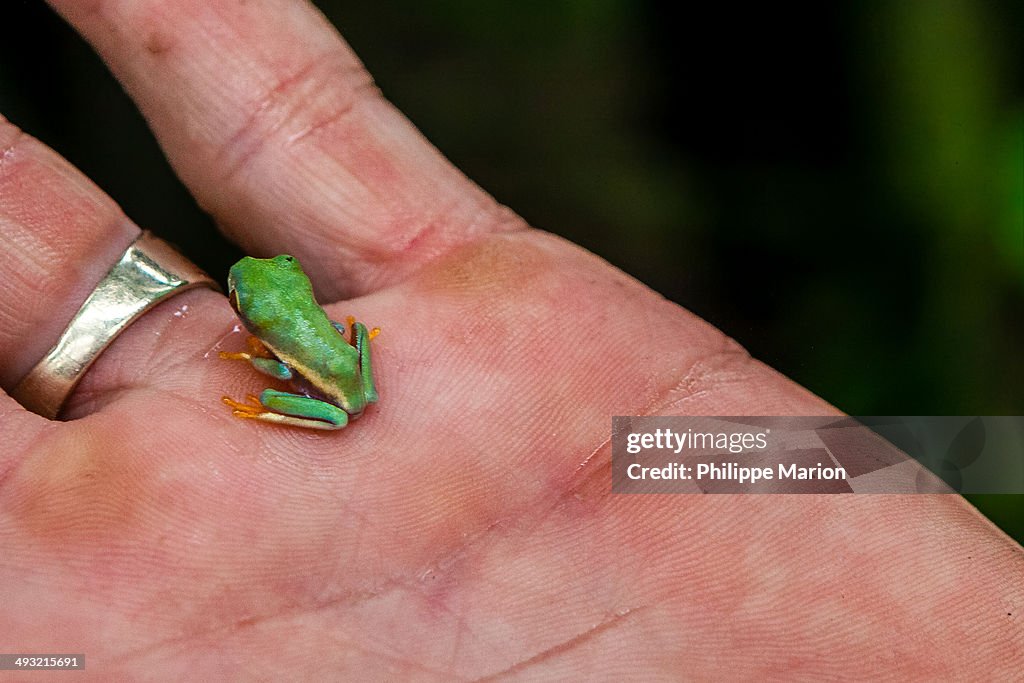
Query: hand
(464, 526)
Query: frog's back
(309, 343)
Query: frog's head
(258, 283)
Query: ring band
(150, 271)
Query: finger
(275, 126)
(61, 234)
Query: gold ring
(150, 271)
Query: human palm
(463, 526)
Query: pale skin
(456, 538)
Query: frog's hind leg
(251, 409)
(360, 338)
(289, 409)
(300, 411)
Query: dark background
(838, 186)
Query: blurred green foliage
(839, 186)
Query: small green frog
(294, 340)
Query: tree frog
(294, 340)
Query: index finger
(274, 124)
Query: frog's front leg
(257, 349)
(290, 409)
(261, 358)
